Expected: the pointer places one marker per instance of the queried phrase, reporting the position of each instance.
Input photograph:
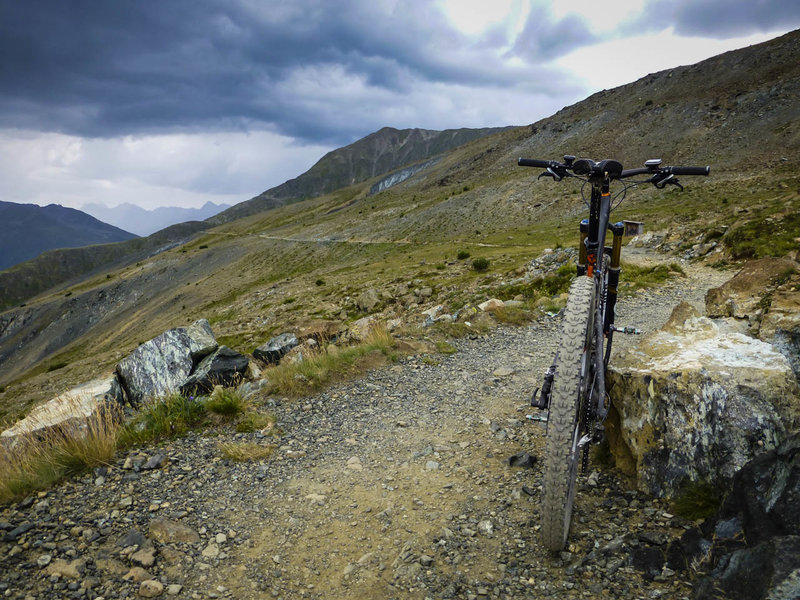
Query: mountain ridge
(144, 222)
(29, 230)
(379, 153)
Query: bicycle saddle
(586, 166)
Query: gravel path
(396, 485)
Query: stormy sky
(177, 102)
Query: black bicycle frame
(590, 264)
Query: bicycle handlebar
(611, 168)
(532, 162)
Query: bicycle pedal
(542, 418)
(627, 330)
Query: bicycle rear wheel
(564, 424)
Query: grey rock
(276, 348)
(166, 531)
(224, 367)
(162, 365)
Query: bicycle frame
(591, 258)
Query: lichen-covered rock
(162, 365)
(70, 409)
(224, 367)
(743, 295)
(276, 348)
(781, 326)
(692, 403)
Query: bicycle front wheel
(572, 374)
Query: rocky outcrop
(743, 295)
(223, 367)
(750, 546)
(70, 409)
(695, 403)
(276, 348)
(781, 326)
(162, 365)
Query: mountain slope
(311, 259)
(29, 230)
(144, 222)
(378, 153)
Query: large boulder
(223, 367)
(743, 295)
(695, 403)
(276, 348)
(72, 409)
(162, 365)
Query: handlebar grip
(533, 162)
(690, 170)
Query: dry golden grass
(37, 460)
(245, 451)
(322, 367)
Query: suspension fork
(599, 209)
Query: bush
(480, 264)
(462, 254)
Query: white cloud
(630, 58)
(151, 171)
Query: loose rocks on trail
(396, 485)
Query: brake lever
(660, 180)
(557, 174)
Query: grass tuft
(319, 368)
(39, 460)
(697, 500)
(245, 451)
(254, 421)
(226, 402)
(163, 418)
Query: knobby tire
(563, 425)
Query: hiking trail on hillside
(395, 485)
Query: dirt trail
(396, 485)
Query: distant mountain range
(144, 222)
(29, 230)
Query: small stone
(144, 557)
(44, 560)
(432, 465)
(174, 589)
(221, 538)
(151, 588)
(425, 560)
(211, 551)
(486, 527)
(503, 372)
(354, 463)
(137, 575)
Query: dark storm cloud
(104, 69)
(720, 18)
(544, 38)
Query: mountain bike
(573, 389)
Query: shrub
(462, 254)
(480, 264)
